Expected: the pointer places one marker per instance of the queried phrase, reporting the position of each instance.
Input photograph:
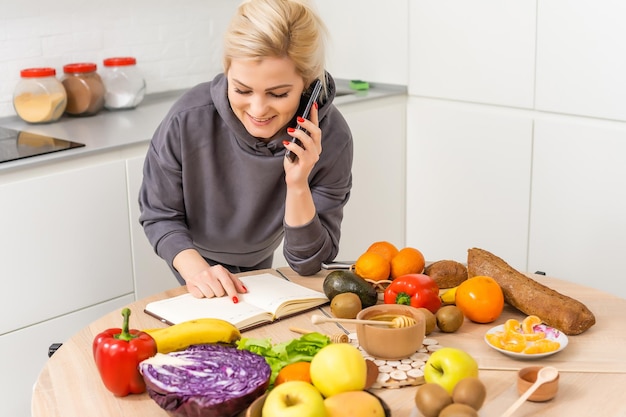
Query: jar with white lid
(84, 88)
(39, 97)
(124, 84)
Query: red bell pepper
(416, 290)
(117, 353)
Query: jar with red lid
(124, 85)
(84, 88)
(39, 97)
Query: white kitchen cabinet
(25, 351)
(468, 180)
(376, 208)
(480, 51)
(580, 59)
(65, 261)
(66, 240)
(578, 214)
(151, 273)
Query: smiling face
(265, 94)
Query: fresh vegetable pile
(279, 355)
(208, 380)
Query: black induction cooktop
(17, 144)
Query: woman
(218, 193)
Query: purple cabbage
(206, 380)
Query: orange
(385, 249)
(297, 371)
(407, 261)
(372, 266)
(480, 299)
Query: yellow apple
(354, 403)
(294, 399)
(338, 367)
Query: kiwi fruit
(470, 391)
(345, 305)
(449, 318)
(431, 398)
(431, 321)
(458, 410)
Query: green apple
(447, 366)
(294, 399)
(338, 367)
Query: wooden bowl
(527, 376)
(256, 407)
(386, 342)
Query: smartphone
(338, 265)
(317, 88)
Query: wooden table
(593, 368)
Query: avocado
(338, 282)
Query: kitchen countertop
(109, 130)
(591, 383)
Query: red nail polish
(291, 129)
(235, 299)
(300, 119)
(315, 104)
(286, 142)
(244, 287)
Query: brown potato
(447, 273)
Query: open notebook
(269, 298)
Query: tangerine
(297, 371)
(372, 266)
(481, 299)
(407, 261)
(385, 249)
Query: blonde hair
(278, 28)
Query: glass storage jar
(123, 82)
(39, 97)
(85, 89)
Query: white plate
(551, 334)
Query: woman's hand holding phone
(297, 139)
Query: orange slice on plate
(529, 323)
(514, 342)
(511, 325)
(542, 346)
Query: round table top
(592, 366)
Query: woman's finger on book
(241, 288)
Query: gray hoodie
(209, 185)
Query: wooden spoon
(546, 374)
(334, 338)
(397, 322)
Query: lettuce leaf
(279, 355)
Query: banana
(448, 296)
(193, 332)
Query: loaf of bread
(529, 296)
(446, 273)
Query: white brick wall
(177, 44)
